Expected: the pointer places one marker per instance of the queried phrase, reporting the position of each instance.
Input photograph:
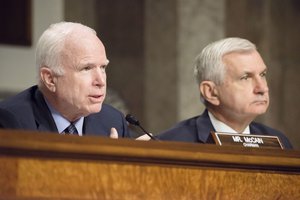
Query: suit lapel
(204, 127)
(43, 117)
(255, 130)
(93, 125)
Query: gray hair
(209, 65)
(51, 44)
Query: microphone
(132, 120)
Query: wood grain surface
(50, 166)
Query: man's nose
(100, 77)
(261, 86)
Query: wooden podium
(51, 166)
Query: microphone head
(132, 120)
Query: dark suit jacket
(8, 121)
(197, 129)
(28, 111)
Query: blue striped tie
(71, 130)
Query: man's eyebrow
(85, 64)
(251, 71)
(265, 70)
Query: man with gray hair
(71, 65)
(231, 77)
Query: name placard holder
(247, 140)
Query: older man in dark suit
(71, 62)
(231, 76)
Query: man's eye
(246, 77)
(87, 68)
(103, 67)
(264, 74)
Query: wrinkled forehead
(85, 41)
(244, 61)
(81, 35)
(240, 56)
(84, 47)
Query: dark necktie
(71, 130)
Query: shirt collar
(222, 127)
(62, 123)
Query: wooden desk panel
(49, 166)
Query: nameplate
(247, 140)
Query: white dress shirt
(62, 123)
(223, 128)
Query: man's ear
(209, 92)
(48, 78)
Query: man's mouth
(260, 102)
(97, 98)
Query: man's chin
(94, 109)
(260, 109)
(97, 109)
(259, 112)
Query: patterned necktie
(71, 130)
